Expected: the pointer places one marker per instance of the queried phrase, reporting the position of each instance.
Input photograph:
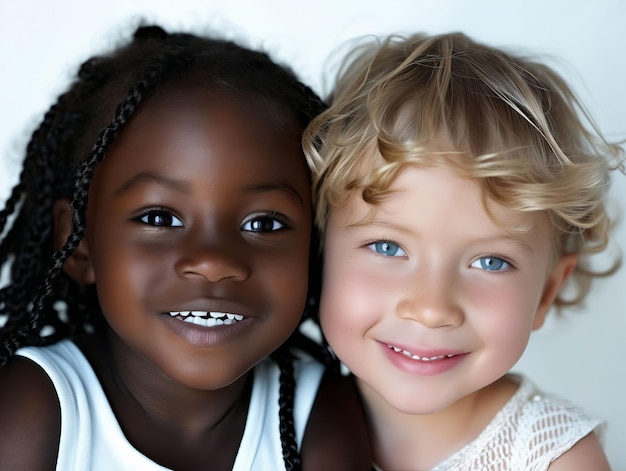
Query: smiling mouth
(207, 319)
(414, 356)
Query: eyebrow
(507, 239)
(283, 187)
(152, 178)
(185, 187)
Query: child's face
(433, 277)
(202, 205)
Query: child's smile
(207, 319)
(204, 328)
(427, 363)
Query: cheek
(508, 338)
(121, 284)
(128, 275)
(351, 301)
(289, 288)
(284, 280)
(503, 319)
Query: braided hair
(41, 303)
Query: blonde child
(458, 192)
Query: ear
(560, 273)
(78, 266)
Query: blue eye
(491, 264)
(160, 218)
(263, 224)
(387, 248)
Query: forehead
(441, 195)
(194, 93)
(199, 127)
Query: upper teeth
(208, 319)
(417, 357)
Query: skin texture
(432, 274)
(202, 205)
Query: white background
(580, 356)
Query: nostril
(214, 267)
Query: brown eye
(264, 223)
(160, 218)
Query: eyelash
(506, 265)
(143, 218)
(273, 216)
(509, 265)
(372, 246)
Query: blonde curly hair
(513, 124)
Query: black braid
(44, 178)
(28, 238)
(83, 179)
(39, 298)
(291, 455)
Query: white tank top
(92, 440)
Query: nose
(432, 301)
(213, 261)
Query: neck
(163, 419)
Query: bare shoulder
(30, 417)
(336, 436)
(584, 455)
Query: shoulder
(553, 429)
(30, 417)
(336, 435)
(586, 454)
(551, 413)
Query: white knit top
(531, 431)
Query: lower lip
(201, 336)
(420, 367)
